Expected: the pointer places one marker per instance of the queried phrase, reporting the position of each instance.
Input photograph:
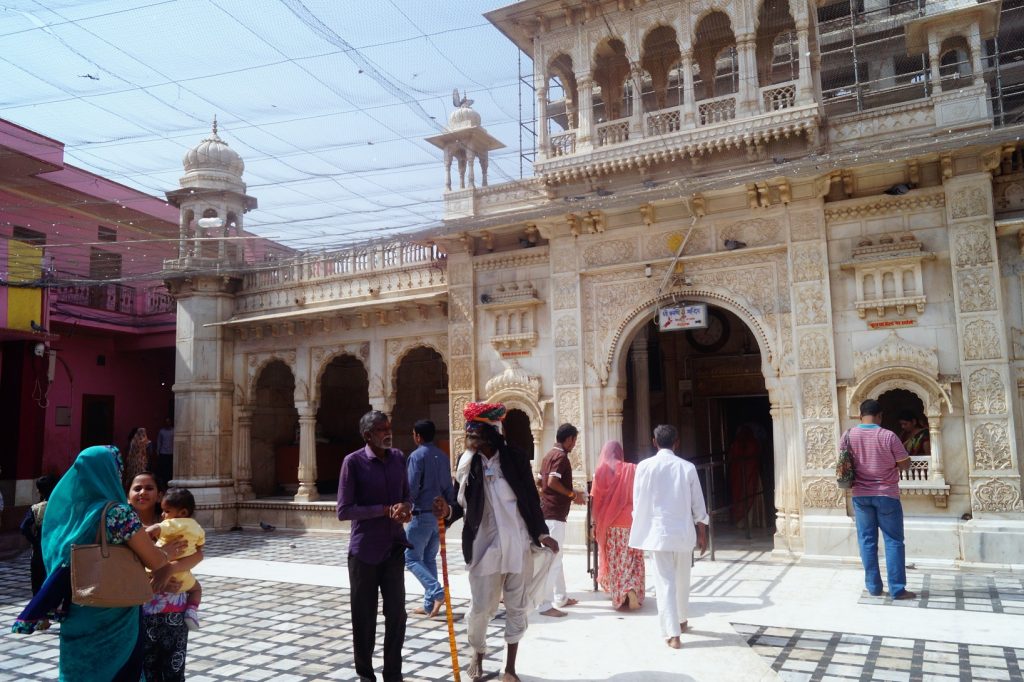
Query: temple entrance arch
(710, 384)
(274, 426)
(344, 398)
(421, 392)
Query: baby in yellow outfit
(177, 506)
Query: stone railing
(778, 97)
(157, 301)
(354, 261)
(562, 144)
(117, 298)
(918, 470)
(717, 110)
(612, 132)
(665, 122)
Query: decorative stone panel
(810, 305)
(566, 333)
(807, 262)
(570, 410)
(972, 246)
(968, 202)
(564, 292)
(566, 368)
(991, 447)
(986, 392)
(997, 495)
(819, 446)
(814, 351)
(976, 290)
(981, 341)
(823, 493)
(817, 392)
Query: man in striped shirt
(878, 459)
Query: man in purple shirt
(373, 493)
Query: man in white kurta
(669, 519)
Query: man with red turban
(503, 522)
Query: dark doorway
(517, 432)
(421, 392)
(97, 420)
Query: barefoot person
(669, 518)
(556, 495)
(503, 520)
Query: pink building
(86, 324)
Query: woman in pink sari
(620, 570)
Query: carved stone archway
(398, 349)
(518, 390)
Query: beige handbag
(107, 575)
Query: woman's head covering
(612, 495)
(73, 511)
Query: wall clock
(712, 337)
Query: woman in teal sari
(95, 643)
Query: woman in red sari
(620, 570)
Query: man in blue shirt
(430, 478)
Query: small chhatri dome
(463, 117)
(213, 156)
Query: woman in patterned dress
(620, 570)
(95, 643)
(914, 434)
(138, 456)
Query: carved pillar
(788, 479)
(243, 454)
(804, 93)
(935, 440)
(641, 393)
(182, 235)
(933, 62)
(538, 447)
(543, 145)
(461, 344)
(471, 168)
(984, 359)
(636, 114)
(585, 85)
(976, 52)
(307, 454)
(689, 97)
(746, 49)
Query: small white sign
(683, 316)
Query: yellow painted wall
(24, 264)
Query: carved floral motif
(459, 403)
(807, 265)
(563, 292)
(823, 493)
(991, 447)
(805, 225)
(461, 340)
(566, 333)
(610, 252)
(896, 351)
(460, 376)
(969, 201)
(986, 392)
(810, 306)
(976, 292)
(460, 273)
(997, 495)
(563, 256)
(567, 369)
(814, 351)
(569, 412)
(460, 306)
(819, 446)
(981, 342)
(816, 393)
(972, 246)
(756, 232)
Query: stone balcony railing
(366, 271)
(117, 298)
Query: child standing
(178, 506)
(32, 528)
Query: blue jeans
(421, 559)
(874, 512)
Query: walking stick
(448, 601)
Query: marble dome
(463, 117)
(213, 154)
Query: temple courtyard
(275, 608)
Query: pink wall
(139, 380)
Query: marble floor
(275, 608)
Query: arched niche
(933, 395)
(528, 405)
(274, 422)
(420, 392)
(342, 397)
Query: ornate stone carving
(976, 292)
(459, 403)
(981, 342)
(563, 257)
(460, 376)
(755, 232)
(807, 266)
(816, 395)
(564, 292)
(986, 392)
(814, 351)
(869, 207)
(819, 446)
(570, 411)
(972, 246)
(805, 225)
(461, 273)
(514, 379)
(665, 244)
(810, 306)
(460, 305)
(461, 340)
(566, 333)
(997, 495)
(823, 493)
(567, 369)
(991, 447)
(894, 352)
(610, 252)
(967, 202)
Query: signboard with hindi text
(683, 316)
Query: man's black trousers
(365, 580)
